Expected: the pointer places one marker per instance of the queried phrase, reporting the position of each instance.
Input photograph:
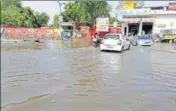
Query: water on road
(73, 76)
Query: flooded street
(74, 76)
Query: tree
(56, 21)
(74, 12)
(112, 20)
(9, 11)
(30, 17)
(42, 19)
(13, 14)
(85, 11)
(95, 9)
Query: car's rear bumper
(145, 44)
(113, 48)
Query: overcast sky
(52, 8)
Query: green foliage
(86, 11)
(9, 10)
(112, 20)
(56, 21)
(73, 11)
(13, 14)
(42, 19)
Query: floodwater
(73, 76)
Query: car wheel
(122, 50)
(129, 47)
(170, 41)
(136, 44)
(174, 40)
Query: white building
(164, 20)
(148, 19)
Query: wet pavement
(73, 76)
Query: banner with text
(128, 4)
(102, 24)
(172, 6)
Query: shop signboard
(136, 12)
(102, 24)
(128, 4)
(171, 25)
(161, 25)
(172, 6)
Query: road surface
(36, 78)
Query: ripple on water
(26, 101)
(165, 74)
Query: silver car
(143, 40)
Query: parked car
(143, 40)
(114, 42)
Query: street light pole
(119, 11)
(60, 33)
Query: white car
(114, 42)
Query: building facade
(148, 19)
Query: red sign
(172, 6)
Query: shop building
(148, 19)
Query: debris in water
(53, 101)
(69, 86)
(138, 102)
(121, 81)
(82, 94)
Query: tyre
(136, 44)
(122, 50)
(170, 41)
(175, 40)
(129, 47)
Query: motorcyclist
(95, 39)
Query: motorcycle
(96, 43)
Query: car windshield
(143, 37)
(115, 37)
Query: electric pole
(60, 9)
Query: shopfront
(136, 21)
(153, 21)
(164, 22)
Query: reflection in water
(48, 44)
(164, 70)
(86, 82)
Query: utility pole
(60, 29)
(119, 15)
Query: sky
(52, 7)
